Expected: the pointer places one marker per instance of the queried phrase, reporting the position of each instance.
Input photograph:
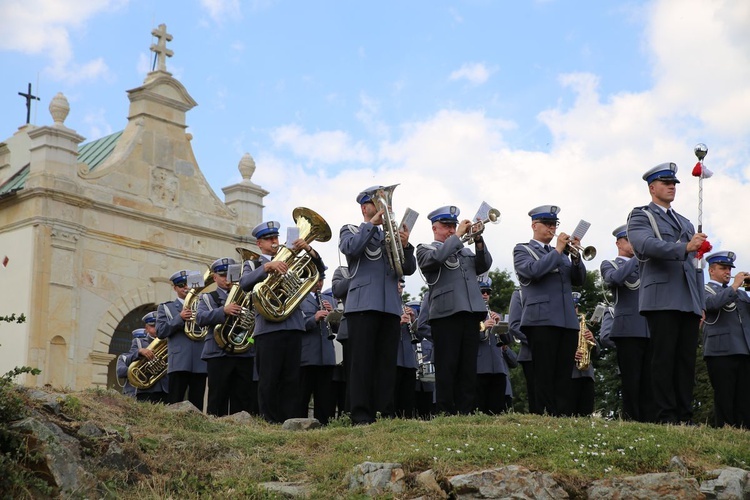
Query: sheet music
(483, 213)
(581, 229)
(234, 271)
(409, 219)
(292, 235)
(195, 279)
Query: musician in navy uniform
(278, 343)
(456, 307)
(187, 371)
(318, 356)
(671, 293)
(339, 288)
(230, 375)
(424, 399)
(524, 358)
(493, 359)
(373, 310)
(123, 360)
(406, 362)
(726, 341)
(139, 350)
(583, 379)
(548, 319)
(629, 330)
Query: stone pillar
(246, 198)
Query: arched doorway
(122, 338)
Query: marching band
(447, 355)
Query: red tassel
(703, 250)
(697, 170)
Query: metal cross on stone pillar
(160, 48)
(29, 97)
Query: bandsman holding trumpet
(548, 318)
(456, 305)
(373, 308)
(726, 340)
(187, 371)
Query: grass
(191, 455)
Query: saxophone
(584, 346)
(144, 373)
(276, 297)
(193, 331)
(235, 335)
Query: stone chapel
(91, 231)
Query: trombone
(477, 228)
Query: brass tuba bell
(193, 331)
(144, 373)
(395, 252)
(235, 335)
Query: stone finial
(59, 109)
(160, 47)
(246, 166)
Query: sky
(514, 103)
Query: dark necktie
(547, 248)
(674, 218)
(724, 285)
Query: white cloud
(321, 147)
(475, 73)
(44, 27)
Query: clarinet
(412, 327)
(324, 321)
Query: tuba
(144, 373)
(584, 346)
(235, 335)
(193, 331)
(382, 201)
(276, 297)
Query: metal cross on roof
(160, 47)
(29, 97)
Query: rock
(90, 430)
(241, 417)
(376, 478)
(677, 465)
(428, 481)
(300, 424)
(183, 407)
(506, 482)
(293, 490)
(657, 485)
(59, 456)
(730, 483)
(50, 402)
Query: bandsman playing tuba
(456, 307)
(187, 371)
(373, 308)
(139, 351)
(278, 343)
(230, 375)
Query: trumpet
(579, 252)
(745, 282)
(477, 228)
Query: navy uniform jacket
(726, 332)
(340, 287)
(493, 359)
(627, 320)
(514, 326)
(407, 352)
(451, 270)
(210, 314)
(161, 385)
(373, 285)
(546, 283)
(184, 354)
(253, 273)
(605, 330)
(317, 350)
(669, 280)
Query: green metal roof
(95, 152)
(92, 153)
